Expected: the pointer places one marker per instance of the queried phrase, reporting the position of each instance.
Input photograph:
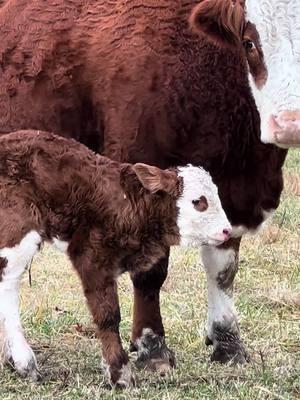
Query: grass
(267, 297)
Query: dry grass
(267, 296)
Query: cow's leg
(148, 331)
(100, 289)
(14, 346)
(221, 265)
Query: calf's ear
(155, 179)
(222, 21)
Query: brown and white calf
(107, 216)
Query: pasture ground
(267, 297)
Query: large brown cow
(133, 81)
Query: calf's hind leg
(14, 261)
(148, 336)
(221, 265)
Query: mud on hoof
(153, 353)
(226, 352)
(227, 345)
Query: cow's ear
(222, 21)
(155, 179)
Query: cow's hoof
(153, 353)
(230, 352)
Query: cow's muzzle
(285, 128)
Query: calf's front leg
(148, 336)
(221, 265)
(100, 289)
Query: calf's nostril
(227, 232)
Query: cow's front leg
(148, 336)
(221, 265)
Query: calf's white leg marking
(126, 379)
(16, 346)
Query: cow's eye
(249, 45)
(200, 204)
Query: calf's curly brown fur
(111, 222)
(110, 217)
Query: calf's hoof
(153, 353)
(28, 370)
(122, 378)
(23, 360)
(126, 378)
(230, 352)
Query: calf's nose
(227, 233)
(223, 235)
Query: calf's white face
(201, 218)
(278, 99)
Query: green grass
(267, 298)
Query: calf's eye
(249, 45)
(200, 204)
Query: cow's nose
(285, 128)
(293, 115)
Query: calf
(107, 216)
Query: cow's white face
(277, 94)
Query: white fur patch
(197, 228)
(221, 307)
(240, 230)
(16, 346)
(278, 24)
(126, 376)
(141, 342)
(61, 245)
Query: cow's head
(277, 93)
(271, 38)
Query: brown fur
(131, 80)
(221, 20)
(61, 189)
(255, 55)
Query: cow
(109, 217)
(164, 83)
